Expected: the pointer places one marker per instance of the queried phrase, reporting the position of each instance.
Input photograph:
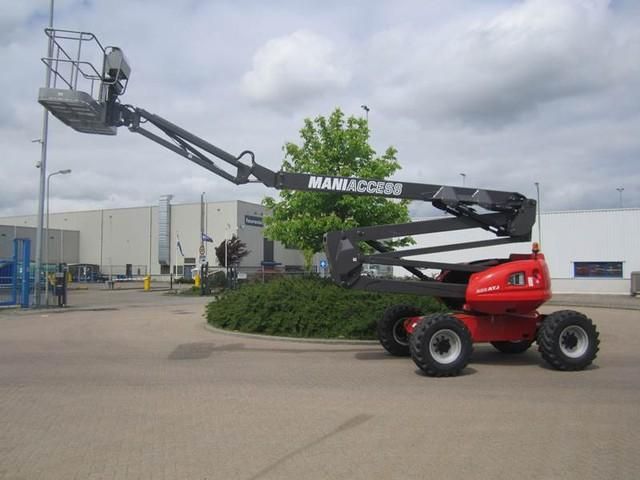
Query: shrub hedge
(307, 307)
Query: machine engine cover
(518, 286)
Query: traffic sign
(201, 250)
(323, 263)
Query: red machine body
(501, 301)
(518, 286)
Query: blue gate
(14, 275)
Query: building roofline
(596, 210)
(130, 208)
(560, 212)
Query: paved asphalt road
(140, 389)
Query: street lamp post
(62, 242)
(203, 248)
(43, 174)
(46, 244)
(539, 217)
(620, 190)
(464, 178)
(366, 111)
(226, 252)
(111, 251)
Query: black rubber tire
(429, 331)
(391, 332)
(553, 345)
(512, 348)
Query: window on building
(164, 269)
(597, 269)
(187, 270)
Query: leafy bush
(307, 307)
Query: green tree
(332, 146)
(235, 251)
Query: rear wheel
(441, 345)
(391, 331)
(520, 346)
(568, 340)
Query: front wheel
(391, 330)
(568, 340)
(441, 345)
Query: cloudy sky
(507, 92)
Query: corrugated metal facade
(122, 236)
(117, 237)
(567, 237)
(164, 230)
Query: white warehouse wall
(251, 234)
(567, 237)
(130, 235)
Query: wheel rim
(445, 346)
(400, 333)
(574, 341)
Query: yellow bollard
(147, 283)
(197, 280)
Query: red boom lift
(493, 300)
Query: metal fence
(262, 274)
(7, 281)
(157, 282)
(87, 273)
(15, 275)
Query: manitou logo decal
(374, 187)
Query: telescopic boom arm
(517, 211)
(510, 215)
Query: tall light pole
(226, 251)
(46, 244)
(538, 208)
(111, 251)
(62, 242)
(203, 250)
(43, 173)
(464, 177)
(366, 111)
(620, 190)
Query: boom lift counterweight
(493, 300)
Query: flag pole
(178, 243)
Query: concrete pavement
(624, 302)
(136, 387)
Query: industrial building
(588, 251)
(152, 240)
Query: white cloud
(509, 92)
(288, 70)
(494, 71)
